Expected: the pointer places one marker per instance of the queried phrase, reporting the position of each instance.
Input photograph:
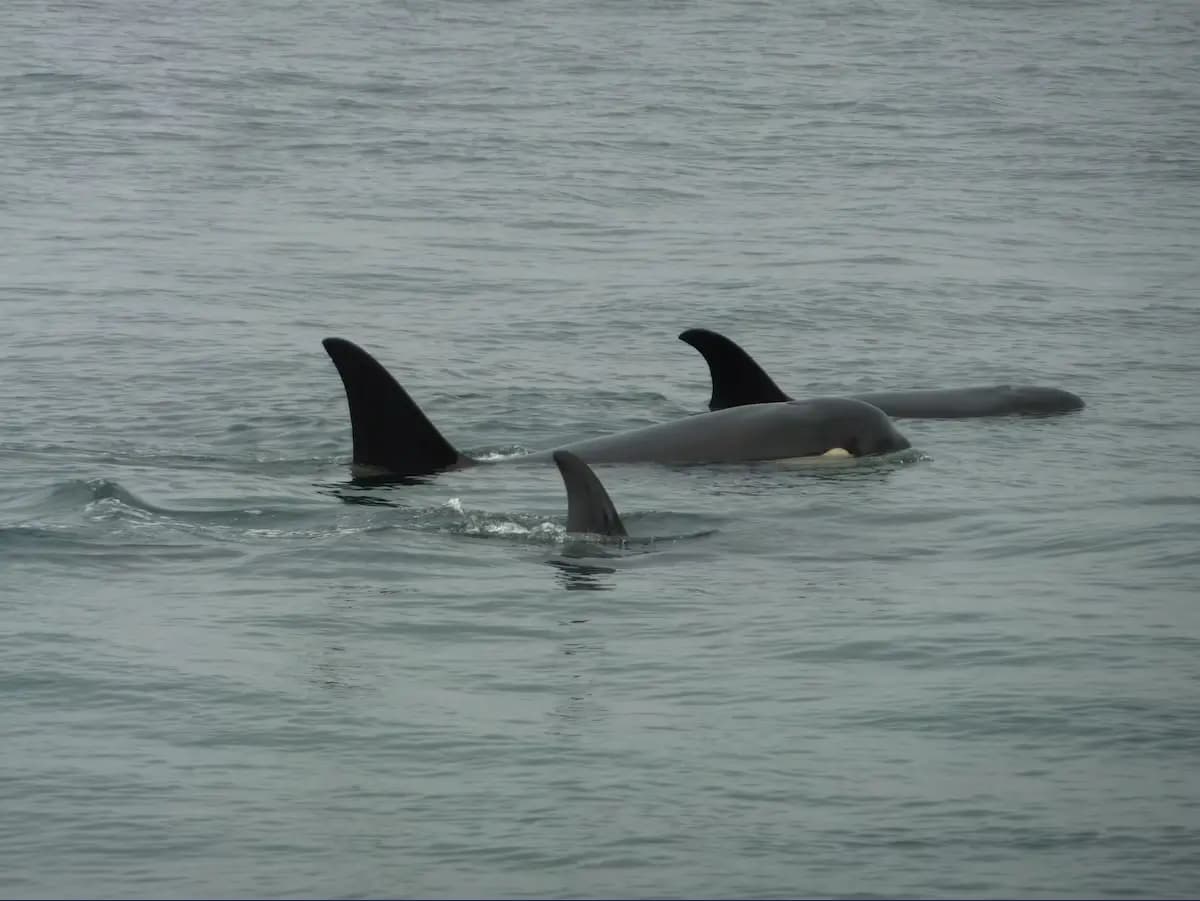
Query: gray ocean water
(226, 670)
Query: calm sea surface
(225, 670)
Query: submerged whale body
(393, 437)
(737, 379)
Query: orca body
(393, 437)
(737, 379)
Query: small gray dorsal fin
(589, 508)
(737, 379)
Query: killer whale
(737, 379)
(392, 437)
(589, 508)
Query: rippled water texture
(226, 670)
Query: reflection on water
(329, 671)
(583, 576)
(576, 710)
(390, 480)
(367, 500)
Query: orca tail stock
(589, 508)
(392, 436)
(737, 379)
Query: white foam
(493, 456)
(506, 528)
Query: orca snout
(1037, 399)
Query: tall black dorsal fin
(589, 508)
(737, 379)
(390, 431)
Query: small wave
(61, 497)
(491, 456)
(105, 499)
(655, 530)
(487, 525)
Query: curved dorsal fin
(589, 508)
(736, 379)
(389, 428)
